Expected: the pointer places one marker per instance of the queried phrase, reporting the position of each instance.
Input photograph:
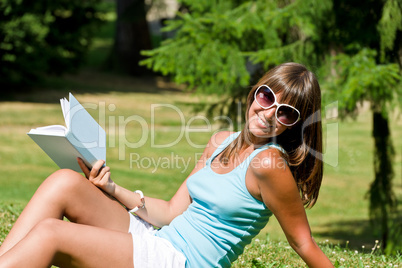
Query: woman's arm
(279, 192)
(157, 212)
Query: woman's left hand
(99, 175)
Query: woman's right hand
(99, 175)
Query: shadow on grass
(89, 81)
(358, 235)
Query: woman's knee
(64, 180)
(47, 231)
(64, 174)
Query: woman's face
(262, 123)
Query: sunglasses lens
(265, 97)
(287, 115)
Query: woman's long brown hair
(302, 142)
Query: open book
(81, 137)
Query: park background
(202, 66)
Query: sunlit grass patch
(9, 213)
(264, 253)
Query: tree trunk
(382, 198)
(132, 36)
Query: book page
(54, 130)
(65, 108)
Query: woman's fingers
(96, 168)
(83, 167)
(97, 172)
(99, 175)
(102, 178)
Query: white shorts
(151, 251)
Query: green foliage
(366, 71)
(361, 79)
(389, 25)
(220, 46)
(39, 37)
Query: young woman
(239, 182)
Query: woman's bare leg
(67, 244)
(68, 193)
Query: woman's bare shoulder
(272, 177)
(216, 140)
(269, 163)
(219, 137)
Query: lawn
(153, 142)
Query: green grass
(269, 253)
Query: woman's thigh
(68, 193)
(88, 246)
(68, 244)
(84, 203)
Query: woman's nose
(269, 114)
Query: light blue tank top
(223, 217)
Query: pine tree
(362, 79)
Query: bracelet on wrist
(142, 205)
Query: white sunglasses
(286, 114)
